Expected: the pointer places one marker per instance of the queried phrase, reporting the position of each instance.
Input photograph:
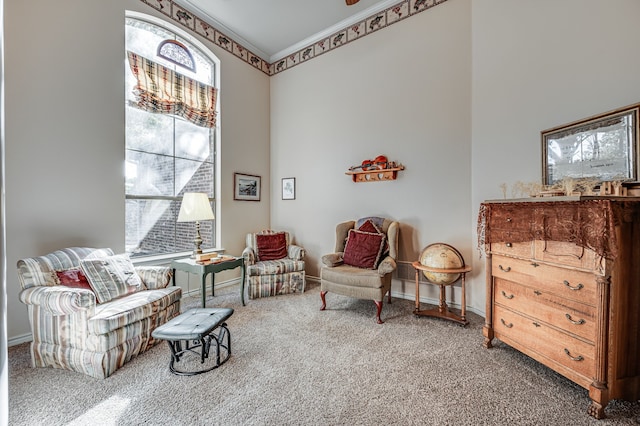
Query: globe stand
(442, 311)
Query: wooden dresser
(563, 287)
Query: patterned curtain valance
(162, 90)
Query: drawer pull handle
(505, 324)
(507, 269)
(578, 287)
(509, 219)
(537, 292)
(509, 245)
(574, 358)
(571, 320)
(534, 264)
(507, 296)
(536, 324)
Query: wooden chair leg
(379, 310)
(324, 302)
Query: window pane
(149, 174)
(150, 227)
(149, 132)
(193, 142)
(194, 176)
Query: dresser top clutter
(563, 287)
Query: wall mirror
(602, 147)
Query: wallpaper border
(396, 13)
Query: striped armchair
(273, 265)
(73, 331)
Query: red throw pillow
(73, 278)
(369, 226)
(271, 246)
(363, 249)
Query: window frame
(205, 51)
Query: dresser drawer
(566, 350)
(510, 217)
(571, 316)
(566, 283)
(513, 249)
(567, 254)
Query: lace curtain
(162, 90)
(589, 224)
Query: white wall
(403, 92)
(537, 65)
(65, 134)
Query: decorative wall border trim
(396, 13)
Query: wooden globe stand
(442, 311)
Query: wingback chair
(364, 259)
(273, 265)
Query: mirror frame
(591, 125)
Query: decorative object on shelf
(377, 169)
(289, 188)
(604, 147)
(442, 265)
(246, 187)
(194, 208)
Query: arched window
(170, 141)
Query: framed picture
(246, 187)
(288, 188)
(601, 148)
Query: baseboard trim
(18, 340)
(427, 300)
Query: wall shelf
(375, 175)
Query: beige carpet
(295, 365)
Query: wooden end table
(190, 266)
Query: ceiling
(274, 29)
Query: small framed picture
(246, 187)
(288, 188)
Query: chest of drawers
(563, 287)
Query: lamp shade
(195, 206)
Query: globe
(441, 256)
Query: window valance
(162, 90)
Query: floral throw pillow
(111, 277)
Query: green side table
(190, 266)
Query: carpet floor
(293, 364)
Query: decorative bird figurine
(350, 2)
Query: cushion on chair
(363, 249)
(369, 226)
(73, 277)
(281, 266)
(111, 277)
(271, 246)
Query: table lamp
(194, 208)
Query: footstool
(196, 328)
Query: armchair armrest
(387, 266)
(154, 277)
(249, 256)
(59, 300)
(296, 252)
(332, 259)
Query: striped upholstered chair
(273, 265)
(93, 328)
